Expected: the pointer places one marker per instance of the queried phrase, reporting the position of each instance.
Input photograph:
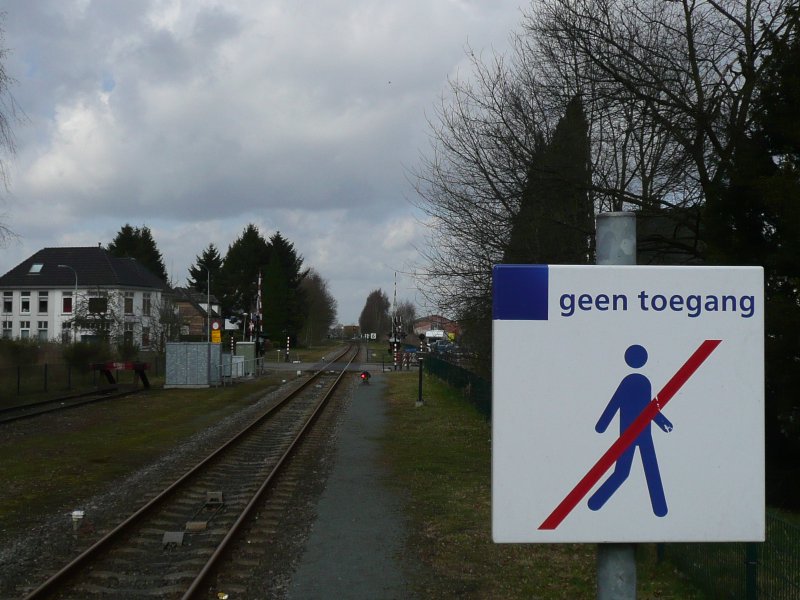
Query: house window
(25, 303)
(8, 302)
(128, 303)
(24, 329)
(146, 304)
(66, 303)
(7, 330)
(42, 329)
(127, 336)
(43, 298)
(98, 305)
(145, 337)
(66, 332)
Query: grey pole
(616, 563)
(208, 326)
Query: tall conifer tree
(282, 291)
(199, 276)
(239, 272)
(138, 243)
(555, 220)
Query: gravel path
(355, 549)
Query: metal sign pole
(616, 563)
(420, 358)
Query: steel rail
(68, 570)
(218, 553)
(95, 397)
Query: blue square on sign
(519, 292)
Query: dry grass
(48, 462)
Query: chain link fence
(747, 571)
(34, 382)
(476, 389)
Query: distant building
(80, 294)
(350, 331)
(192, 309)
(437, 323)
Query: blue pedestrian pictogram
(631, 398)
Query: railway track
(35, 409)
(172, 546)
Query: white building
(80, 294)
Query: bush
(14, 353)
(127, 351)
(82, 354)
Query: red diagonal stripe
(626, 439)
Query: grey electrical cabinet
(193, 364)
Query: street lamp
(208, 303)
(208, 326)
(74, 305)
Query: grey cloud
(231, 111)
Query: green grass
(64, 457)
(68, 458)
(440, 457)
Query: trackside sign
(628, 404)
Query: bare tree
(668, 89)
(166, 325)
(690, 69)
(321, 308)
(374, 316)
(8, 114)
(470, 183)
(100, 316)
(406, 314)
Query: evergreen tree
(275, 301)
(555, 222)
(238, 276)
(756, 220)
(282, 293)
(138, 243)
(198, 275)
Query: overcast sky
(197, 117)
